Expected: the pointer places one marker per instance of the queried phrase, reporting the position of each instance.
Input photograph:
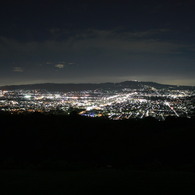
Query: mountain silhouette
(65, 87)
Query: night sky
(97, 41)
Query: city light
(113, 104)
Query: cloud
(139, 42)
(106, 41)
(62, 64)
(17, 69)
(59, 66)
(101, 53)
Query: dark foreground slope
(38, 141)
(50, 154)
(96, 182)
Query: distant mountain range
(93, 86)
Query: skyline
(95, 42)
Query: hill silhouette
(93, 86)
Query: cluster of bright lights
(121, 104)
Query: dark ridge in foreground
(58, 142)
(91, 86)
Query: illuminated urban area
(114, 104)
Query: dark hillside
(41, 141)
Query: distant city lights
(113, 104)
